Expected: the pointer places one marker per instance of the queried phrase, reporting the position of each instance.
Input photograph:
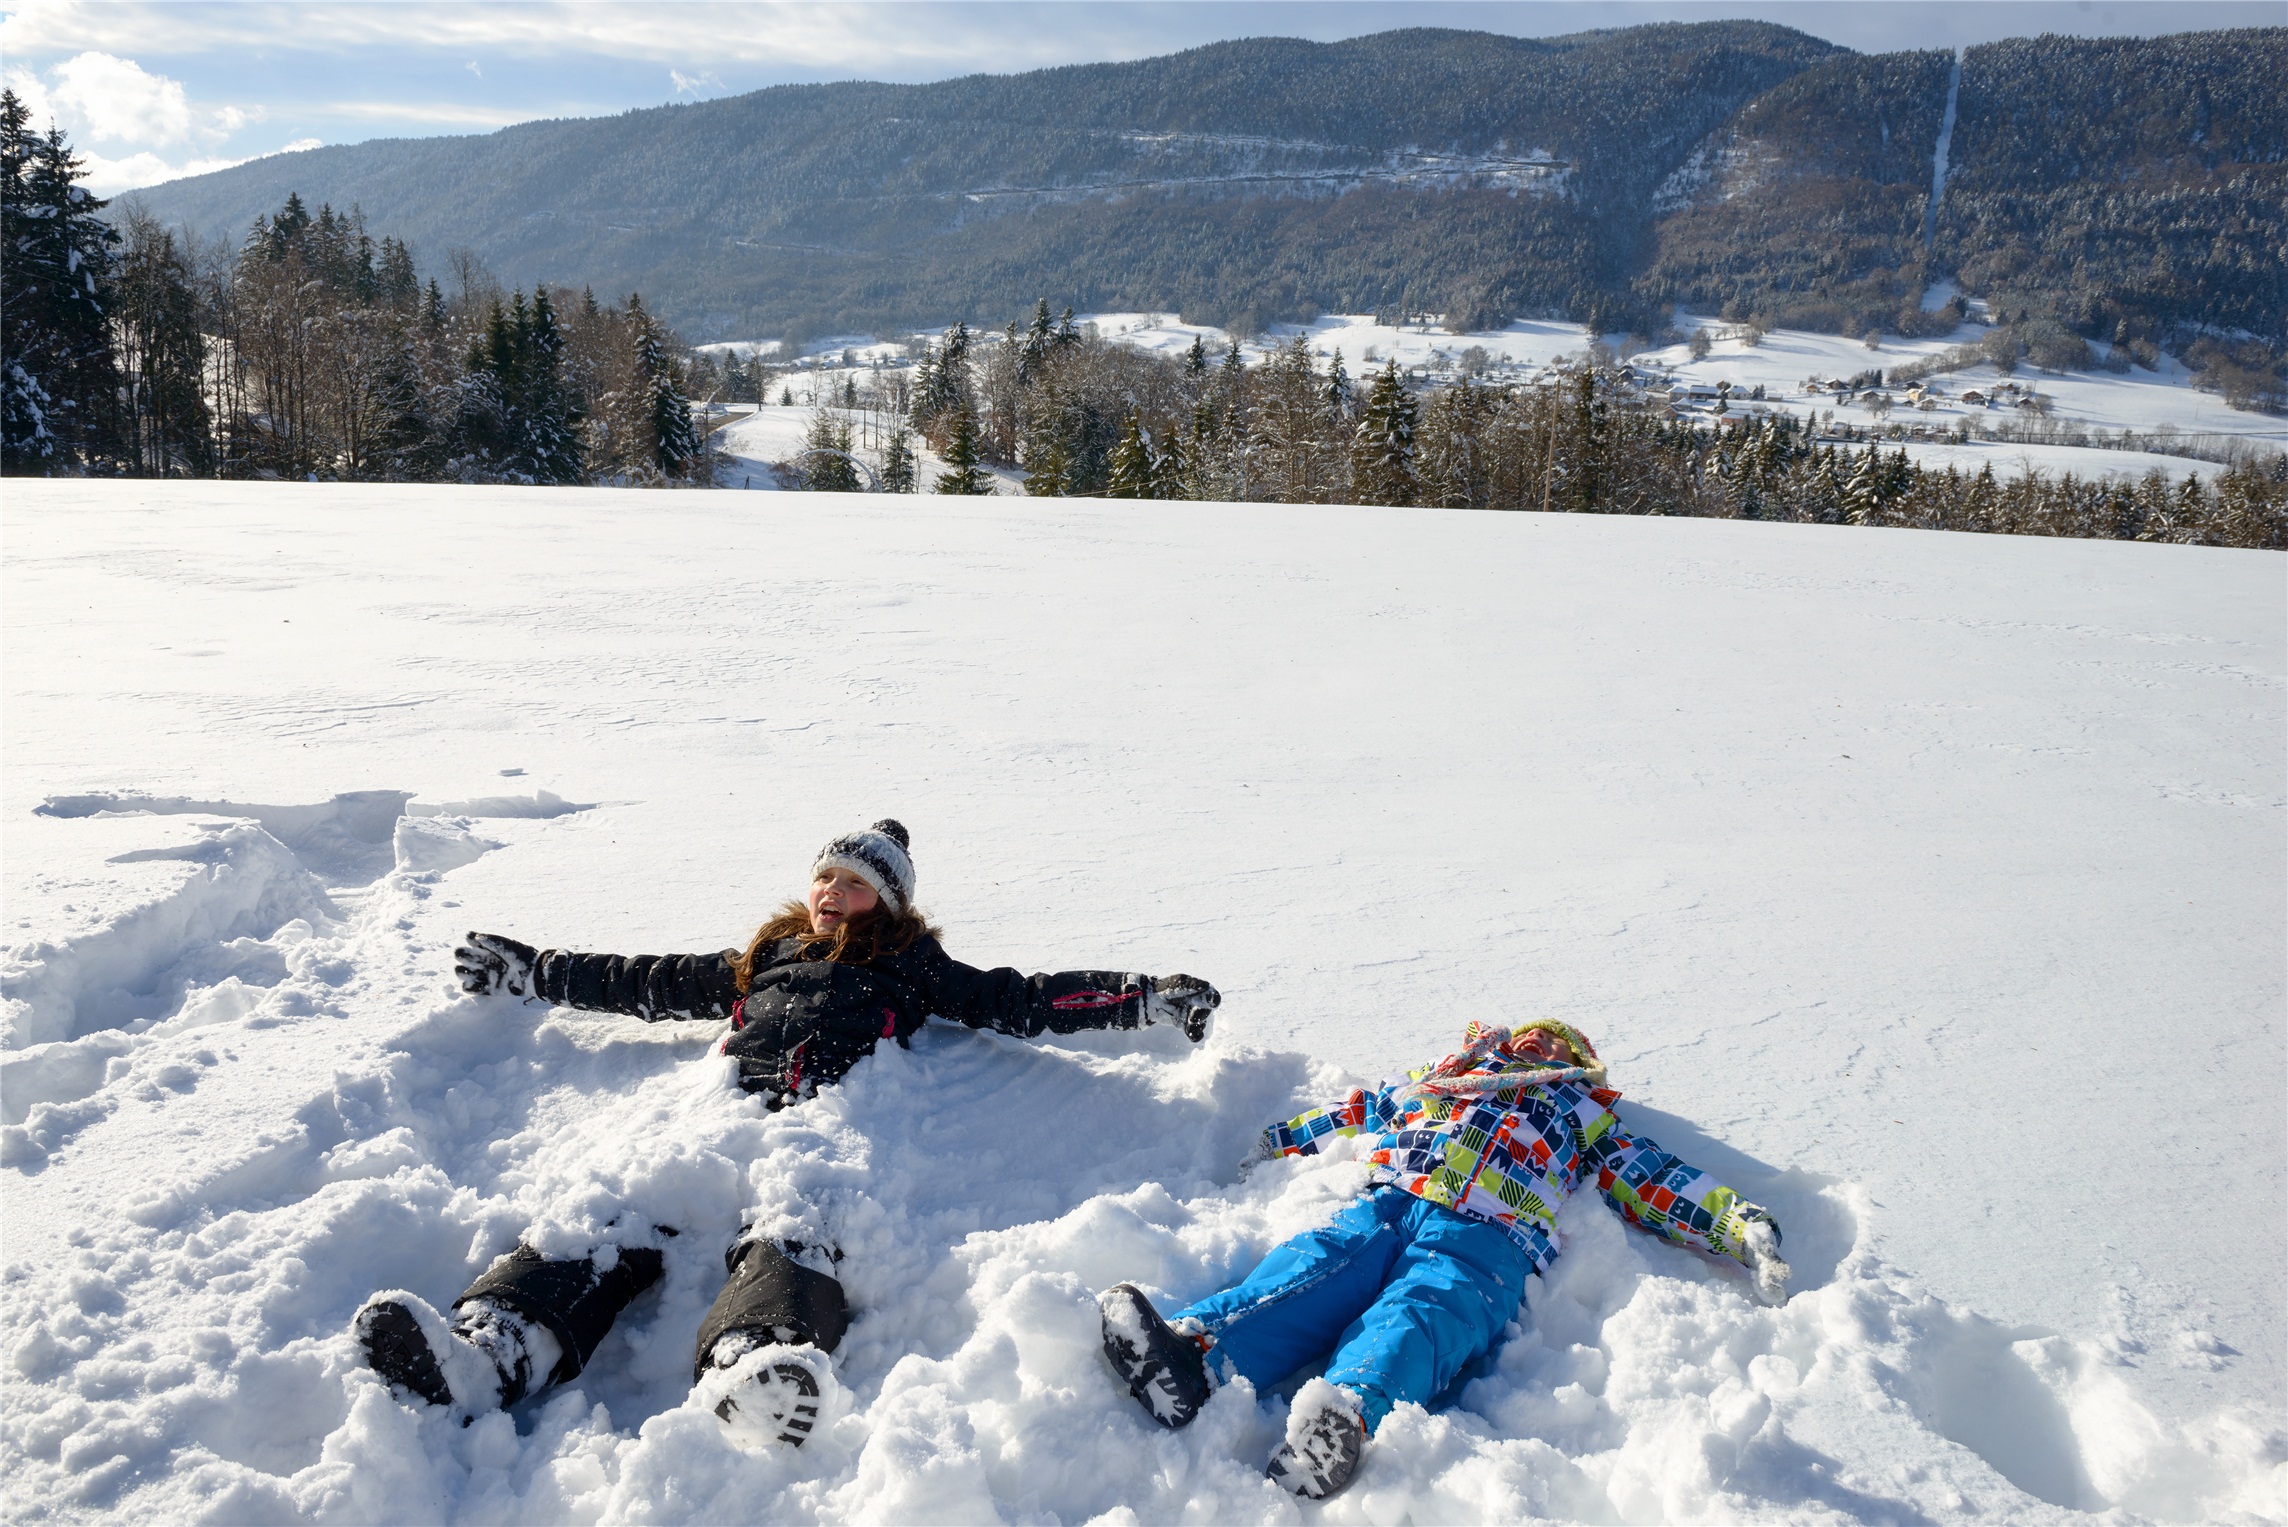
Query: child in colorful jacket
(1472, 1156)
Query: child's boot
(781, 1295)
(766, 1392)
(484, 1361)
(1325, 1435)
(1166, 1370)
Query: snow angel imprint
(821, 984)
(1403, 1290)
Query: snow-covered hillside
(1927, 887)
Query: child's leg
(1299, 1298)
(1452, 1289)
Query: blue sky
(148, 91)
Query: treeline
(1081, 415)
(309, 351)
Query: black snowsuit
(805, 1023)
(802, 1025)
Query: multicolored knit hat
(877, 856)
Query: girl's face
(836, 896)
(1541, 1045)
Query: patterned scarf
(1489, 1062)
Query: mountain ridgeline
(2127, 188)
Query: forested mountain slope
(2132, 188)
(1807, 208)
(1507, 171)
(2121, 185)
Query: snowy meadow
(1928, 888)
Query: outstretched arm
(1679, 1202)
(649, 986)
(1304, 1134)
(1067, 1002)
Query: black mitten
(1182, 1000)
(490, 963)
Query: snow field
(1927, 888)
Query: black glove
(489, 963)
(1184, 1000)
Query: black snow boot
(782, 1294)
(481, 1363)
(399, 1349)
(1324, 1439)
(574, 1300)
(1165, 1370)
(778, 1291)
(778, 1400)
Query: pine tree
(1338, 393)
(663, 412)
(58, 370)
(407, 443)
(961, 455)
(1047, 461)
(399, 286)
(551, 408)
(1382, 450)
(898, 462)
(1168, 465)
(1196, 358)
(826, 466)
(1040, 335)
(1131, 464)
(1863, 494)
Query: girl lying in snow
(1472, 1156)
(816, 989)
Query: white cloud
(693, 84)
(109, 99)
(146, 121)
(100, 98)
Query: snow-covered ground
(1927, 887)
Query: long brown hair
(854, 940)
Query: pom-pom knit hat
(877, 856)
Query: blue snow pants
(1403, 1292)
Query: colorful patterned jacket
(1512, 1141)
